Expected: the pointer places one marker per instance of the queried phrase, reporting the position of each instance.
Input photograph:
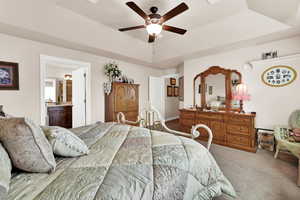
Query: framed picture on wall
(210, 90)
(176, 91)
(279, 76)
(181, 88)
(9, 76)
(172, 81)
(169, 91)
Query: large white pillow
(64, 142)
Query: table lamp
(242, 95)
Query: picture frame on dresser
(9, 76)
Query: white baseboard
(171, 118)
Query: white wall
(171, 103)
(180, 74)
(273, 105)
(26, 101)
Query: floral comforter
(128, 163)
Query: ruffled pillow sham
(64, 142)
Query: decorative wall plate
(279, 76)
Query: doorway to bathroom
(65, 92)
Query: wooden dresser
(124, 98)
(229, 129)
(60, 115)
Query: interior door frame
(44, 60)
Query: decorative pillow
(294, 119)
(26, 145)
(2, 114)
(5, 172)
(64, 142)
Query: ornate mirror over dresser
(214, 106)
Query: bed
(128, 163)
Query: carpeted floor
(256, 176)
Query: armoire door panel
(131, 98)
(123, 98)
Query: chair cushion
(294, 120)
(64, 142)
(26, 145)
(5, 172)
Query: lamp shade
(241, 93)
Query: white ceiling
(116, 14)
(223, 23)
(93, 28)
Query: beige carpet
(257, 176)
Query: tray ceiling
(93, 27)
(115, 14)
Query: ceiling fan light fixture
(154, 29)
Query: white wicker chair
(151, 118)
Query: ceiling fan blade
(132, 28)
(151, 38)
(137, 9)
(174, 12)
(174, 29)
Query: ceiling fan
(154, 23)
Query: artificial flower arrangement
(112, 71)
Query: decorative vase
(107, 87)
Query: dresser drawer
(186, 122)
(186, 129)
(187, 115)
(209, 116)
(239, 140)
(239, 119)
(238, 129)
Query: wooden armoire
(124, 98)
